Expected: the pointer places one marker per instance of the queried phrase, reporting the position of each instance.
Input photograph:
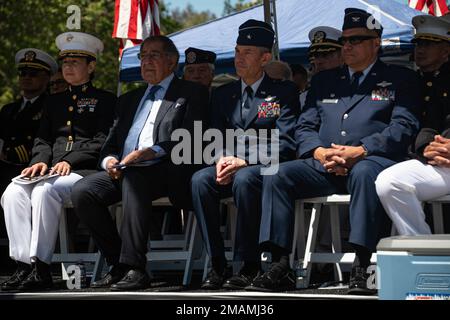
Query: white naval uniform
(403, 187)
(32, 215)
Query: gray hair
(278, 70)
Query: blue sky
(215, 6)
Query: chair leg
(336, 238)
(98, 267)
(63, 236)
(296, 232)
(438, 219)
(189, 261)
(303, 280)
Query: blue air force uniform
(274, 106)
(381, 116)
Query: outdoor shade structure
(295, 18)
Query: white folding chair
(65, 257)
(309, 255)
(174, 248)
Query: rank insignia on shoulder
(269, 110)
(384, 84)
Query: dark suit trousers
(246, 190)
(137, 188)
(296, 179)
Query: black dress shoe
(13, 283)
(37, 280)
(241, 280)
(358, 282)
(113, 276)
(135, 279)
(214, 280)
(277, 278)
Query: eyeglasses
(354, 40)
(57, 82)
(152, 55)
(29, 73)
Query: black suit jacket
(18, 129)
(184, 103)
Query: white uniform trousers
(32, 215)
(403, 187)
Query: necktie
(355, 82)
(140, 118)
(247, 103)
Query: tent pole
(270, 16)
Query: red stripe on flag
(116, 18)
(132, 26)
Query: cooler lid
(435, 244)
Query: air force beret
(431, 28)
(196, 56)
(78, 44)
(358, 18)
(256, 33)
(36, 59)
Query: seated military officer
(199, 66)
(358, 120)
(324, 52)
(74, 126)
(325, 49)
(254, 102)
(19, 121)
(403, 187)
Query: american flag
(434, 7)
(134, 21)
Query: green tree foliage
(189, 17)
(240, 5)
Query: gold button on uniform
(70, 138)
(445, 94)
(70, 109)
(69, 123)
(74, 97)
(427, 98)
(429, 83)
(29, 137)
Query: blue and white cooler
(414, 267)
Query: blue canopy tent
(294, 20)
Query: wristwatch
(366, 153)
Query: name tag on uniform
(330, 100)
